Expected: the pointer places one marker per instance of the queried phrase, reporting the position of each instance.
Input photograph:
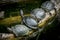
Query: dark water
(52, 33)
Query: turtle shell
(38, 13)
(30, 22)
(20, 30)
(48, 5)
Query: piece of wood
(11, 20)
(14, 1)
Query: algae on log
(17, 1)
(11, 20)
(11, 1)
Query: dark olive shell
(48, 5)
(30, 22)
(20, 30)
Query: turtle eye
(38, 13)
(47, 5)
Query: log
(16, 1)
(11, 20)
